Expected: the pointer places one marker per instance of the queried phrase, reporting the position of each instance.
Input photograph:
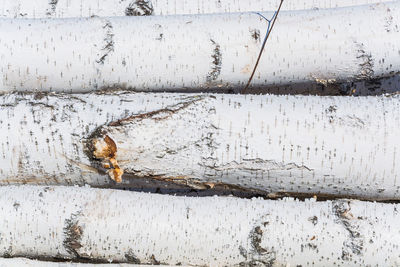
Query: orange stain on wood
(106, 150)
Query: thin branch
(263, 45)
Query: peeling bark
(120, 226)
(324, 52)
(87, 8)
(268, 145)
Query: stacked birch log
(123, 139)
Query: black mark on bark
(313, 220)
(216, 63)
(139, 8)
(259, 256)
(16, 206)
(389, 26)
(154, 261)
(355, 243)
(73, 235)
(52, 9)
(109, 42)
(366, 64)
(131, 257)
(255, 34)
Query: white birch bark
(23, 262)
(335, 51)
(342, 146)
(119, 226)
(105, 8)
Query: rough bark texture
(341, 146)
(87, 8)
(326, 52)
(122, 226)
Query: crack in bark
(356, 86)
(355, 244)
(44, 105)
(253, 165)
(160, 114)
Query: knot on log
(105, 149)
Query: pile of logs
(128, 135)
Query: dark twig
(263, 45)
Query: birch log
(119, 226)
(105, 8)
(336, 51)
(342, 146)
(22, 262)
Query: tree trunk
(87, 8)
(333, 51)
(119, 226)
(341, 146)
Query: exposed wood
(117, 226)
(327, 52)
(343, 146)
(87, 8)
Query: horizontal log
(19, 262)
(86, 224)
(333, 51)
(105, 8)
(341, 146)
